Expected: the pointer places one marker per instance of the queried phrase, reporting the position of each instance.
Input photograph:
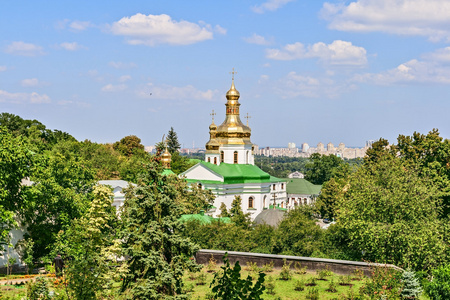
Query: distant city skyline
(308, 71)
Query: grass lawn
(284, 289)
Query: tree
(16, 162)
(321, 167)
(129, 145)
(223, 211)
(93, 250)
(298, 234)
(172, 141)
(389, 214)
(151, 234)
(60, 193)
(439, 287)
(195, 199)
(237, 215)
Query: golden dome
(232, 130)
(212, 146)
(166, 159)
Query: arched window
(199, 186)
(273, 187)
(235, 157)
(215, 160)
(264, 201)
(209, 159)
(250, 202)
(248, 157)
(282, 204)
(282, 186)
(221, 156)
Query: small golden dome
(166, 159)
(232, 93)
(212, 127)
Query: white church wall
(199, 172)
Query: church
(229, 168)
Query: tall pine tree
(158, 254)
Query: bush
(411, 286)
(38, 290)
(286, 273)
(267, 268)
(299, 285)
(439, 287)
(313, 294)
(385, 282)
(212, 265)
(270, 286)
(299, 269)
(332, 287)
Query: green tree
(237, 215)
(16, 162)
(439, 287)
(60, 194)
(172, 141)
(92, 247)
(321, 167)
(129, 145)
(390, 215)
(195, 199)
(223, 211)
(151, 234)
(298, 234)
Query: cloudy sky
(307, 70)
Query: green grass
(283, 289)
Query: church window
(221, 156)
(250, 202)
(209, 159)
(215, 160)
(200, 186)
(282, 203)
(282, 186)
(273, 187)
(235, 157)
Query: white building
(229, 170)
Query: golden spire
(232, 130)
(166, 157)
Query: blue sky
(307, 70)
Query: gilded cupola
(232, 130)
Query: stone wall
(341, 267)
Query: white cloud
(168, 92)
(408, 17)
(73, 103)
(270, 5)
(121, 65)
(337, 53)
(219, 29)
(114, 88)
(433, 68)
(71, 46)
(30, 82)
(152, 30)
(257, 39)
(124, 78)
(24, 49)
(80, 25)
(295, 85)
(23, 98)
(3, 68)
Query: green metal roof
(168, 172)
(301, 186)
(203, 219)
(239, 173)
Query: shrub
(212, 265)
(228, 284)
(267, 268)
(439, 286)
(321, 274)
(313, 294)
(270, 286)
(411, 286)
(345, 280)
(299, 285)
(38, 290)
(357, 274)
(201, 279)
(286, 273)
(332, 287)
(299, 269)
(252, 267)
(385, 281)
(311, 282)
